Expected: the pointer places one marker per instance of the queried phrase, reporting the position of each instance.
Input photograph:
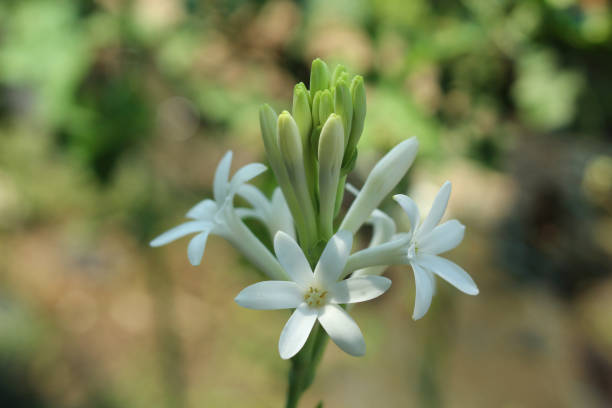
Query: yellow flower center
(315, 297)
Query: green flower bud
(343, 106)
(267, 123)
(301, 111)
(316, 102)
(319, 76)
(330, 152)
(289, 140)
(326, 106)
(359, 114)
(338, 73)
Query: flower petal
(180, 231)
(359, 289)
(424, 285)
(254, 196)
(342, 329)
(443, 238)
(449, 271)
(334, 258)
(296, 331)
(204, 210)
(281, 213)
(411, 209)
(220, 183)
(245, 174)
(270, 295)
(437, 209)
(292, 259)
(195, 249)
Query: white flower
(315, 295)
(420, 248)
(219, 217)
(273, 213)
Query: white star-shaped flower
(219, 217)
(315, 296)
(425, 241)
(420, 248)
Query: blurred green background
(114, 114)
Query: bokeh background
(114, 114)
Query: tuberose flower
(315, 296)
(273, 213)
(219, 217)
(420, 248)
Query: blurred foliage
(114, 113)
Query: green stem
(304, 366)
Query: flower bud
(301, 111)
(316, 102)
(339, 72)
(267, 123)
(382, 179)
(289, 140)
(359, 112)
(326, 106)
(319, 76)
(331, 151)
(343, 106)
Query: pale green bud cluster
(313, 148)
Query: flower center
(315, 297)
(412, 250)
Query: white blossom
(315, 295)
(420, 248)
(219, 217)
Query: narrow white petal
(358, 289)
(254, 196)
(249, 213)
(292, 259)
(334, 258)
(245, 174)
(220, 183)
(449, 271)
(195, 249)
(281, 213)
(410, 208)
(382, 179)
(180, 231)
(296, 331)
(204, 210)
(270, 295)
(342, 329)
(437, 209)
(443, 238)
(424, 286)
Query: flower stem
(304, 366)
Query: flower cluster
(311, 150)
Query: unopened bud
(326, 106)
(319, 76)
(289, 140)
(343, 106)
(301, 111)
(359, 113)
(331, 151)
(339, 71)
